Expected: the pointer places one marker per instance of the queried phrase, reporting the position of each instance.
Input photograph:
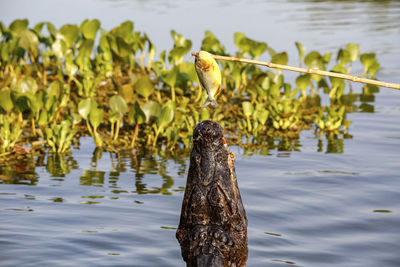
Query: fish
(209, 76)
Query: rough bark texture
(213, 224)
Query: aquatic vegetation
(59, 84)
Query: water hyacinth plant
(56, 84)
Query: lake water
(310, 202)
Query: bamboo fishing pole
(311, 71)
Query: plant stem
(155, 137)
(89, 128)
(173, 93)
(135, 133)
(311, 71)
(112, 130)
(117, 131)
(33, 126)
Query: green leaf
(136, 114)
(258, 48)
(189, 69)
(249, 46)
(204, 114)
(367, 59)
(211, 44)
(35, 102)
(303, 81)
(178, 52)
(5, 100)
(38, 28)
(70, 33)
(248, 108)
(327, 58)
(85, 51)
(170, 76)
(339, 69)
(124, 30)
(240, 41)
(151, 109)
(280, 58)
(166, 116)
(262, 116)
(374, 68)
(96, 115)
(343, 56)
(19, 25)
(89, 28)
(52, 30)
(113, 117)
(118, 104)
(55, 89)
(28, 41)
(27, 85)
(314, 60)
(84, 107)
(144, 86)
(301, 49)
(354, 51)
(124, 49)
(76, 118)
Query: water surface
(309, 202)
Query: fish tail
(211, 102)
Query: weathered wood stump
(213, 224)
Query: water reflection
(148, 173)
(18, 171)
(58, 165)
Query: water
(306, 205)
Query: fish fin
(211, 102)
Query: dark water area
(309, 202)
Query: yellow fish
(209, 76)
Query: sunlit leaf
(339, 68)
(96, 115)
(211, 44)
(374, 68)
(84, 107)
(19, 25)
(166, 116)
(354, 51)
(327, 58)
(280, 58)
(70, 33)
(38, 28)
(124, 30)
(248, 108)
(367, 59)
(144, 86)
(27, 85)
(301, 49)
(188, 68)
(118, 104)
(170, 77)
(151, 109)
(303, 81)
(314, 60)
(262, 116)
(89, 28)
(85, 51)
(5, 100)
(28, 41)
(55, 89)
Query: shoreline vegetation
(81, 80)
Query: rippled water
(309, 202)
